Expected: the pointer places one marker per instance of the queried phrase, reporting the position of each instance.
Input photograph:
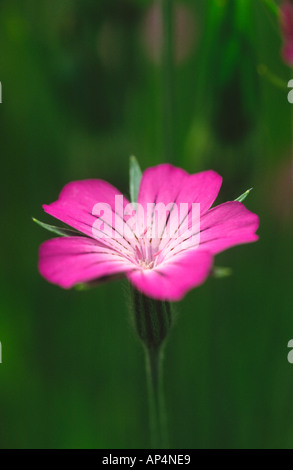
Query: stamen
(138, 253)
(157, 253)
(144, 252)
(146, 264)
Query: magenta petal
(168, 184)
(227, 225)
(161, 183)
(72, 260)
(201, 188)
(75, 207)
(171, 280)
(162, 255)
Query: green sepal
(134, 179)
(219, 272)
(82, 286)
(243, 196)
(63, 232)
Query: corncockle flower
(286, 24)
(164, 242)
(165, 245)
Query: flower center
(146, 264)
(145, 254)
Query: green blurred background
(83, 88)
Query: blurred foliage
(81, 93)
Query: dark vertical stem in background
(168, 80)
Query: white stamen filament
(144, 256)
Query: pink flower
(147, 250)
(286, 23)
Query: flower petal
(220, 228)
(171, 280)
(72, 260)
(227, 225)
(91, 207)
(167, 183)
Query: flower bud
(152, 319)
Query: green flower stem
(168, 85)
(152, 320)
(158, 417)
